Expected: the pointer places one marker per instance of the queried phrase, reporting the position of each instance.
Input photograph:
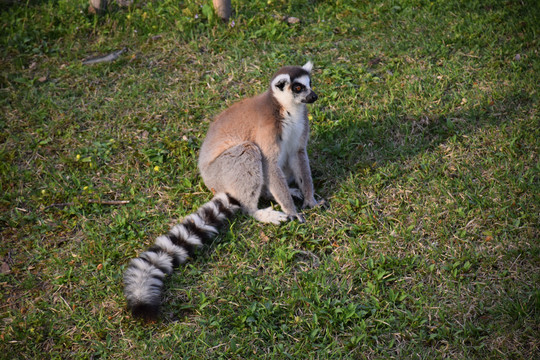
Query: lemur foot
(269, 215)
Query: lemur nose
(312, 97)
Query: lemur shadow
(342, 148)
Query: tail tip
(147, 312)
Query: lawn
(424, 142)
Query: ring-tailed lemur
(254, 148)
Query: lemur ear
(308, 66)
(281, 81)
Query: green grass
(424, 141)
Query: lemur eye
(297, 88)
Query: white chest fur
(291, 134)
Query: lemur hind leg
(238, 171)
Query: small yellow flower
(156, 168)
(85, 188)
(43, 192)
(78, 157)
(310, 117)
(128, 16)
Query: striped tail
(143, 279)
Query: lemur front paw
(308, 204)
(298, 217)
(323, 203)
(314, 203)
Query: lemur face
(292, 85)
(301, 90)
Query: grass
(424, 142)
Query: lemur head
(291, 86)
